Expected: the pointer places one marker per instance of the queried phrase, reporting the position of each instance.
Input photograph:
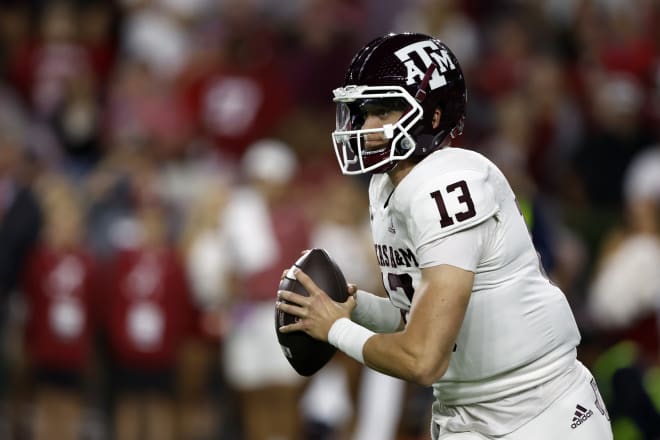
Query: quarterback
(470, 311)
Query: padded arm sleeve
(376, 313)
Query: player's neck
(400, 171)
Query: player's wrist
(375, 313)
(349, 337)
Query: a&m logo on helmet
(428, 52)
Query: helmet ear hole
(407, 144)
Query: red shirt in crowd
(235, 106)
(291, 232)
(59, 289)
(148, 310)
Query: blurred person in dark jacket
(20, 221)
(20, 216)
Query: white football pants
(578, 414)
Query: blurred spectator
(59, 286)
(624, 301)
(111, 194)
(205, 407)
(77, 124)
(509, 148)
(518, 124)
(149, 314)
(20, 216)
(505, 47)
(267, 230)
(15, 31)
(629, 258)
(54, 55)
(627, 44)
(555, 121)
(206, 250)
(615, 136)
(78, 119)
(157, 33)
(505, 58)
(97, 32)
(59, 76)
(20, 222)
(145, 109)
(234, 88)
(317, 47)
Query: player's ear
(435, 121)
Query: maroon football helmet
(408, 72)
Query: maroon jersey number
(464, 198)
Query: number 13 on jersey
(462, 193)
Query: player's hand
(316, 312)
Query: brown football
(306, 354)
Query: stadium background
(132, 125)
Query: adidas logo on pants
(581, 416)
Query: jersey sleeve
(462, 249)
(447, 204)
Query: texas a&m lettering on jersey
(389, 256)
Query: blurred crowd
(162, 161)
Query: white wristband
(349, 337)
(376, 313)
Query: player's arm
(421, 352)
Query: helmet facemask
(353, 102)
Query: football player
(470, 310)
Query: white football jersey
(456, 207)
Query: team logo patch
(418, 57)
(581, 415)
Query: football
(306, 354)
